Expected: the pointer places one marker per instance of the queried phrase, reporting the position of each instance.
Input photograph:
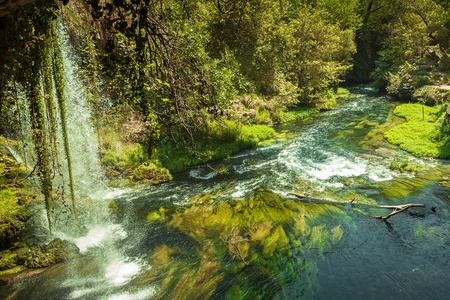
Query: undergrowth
(218, 140)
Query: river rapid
(154, 247)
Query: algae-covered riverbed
(242, 235)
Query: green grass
(422, 134)
(219, 140)
(299, 113)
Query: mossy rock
(15, 194)
(38, 256)
(151, 174)
(56, 251)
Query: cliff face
(9, 6)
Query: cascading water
(327, 158)
(100, 236)
(87, 171)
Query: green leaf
(166, 100)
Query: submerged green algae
(259, 238)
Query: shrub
(109, 160)
(430, 95)
(401, 84)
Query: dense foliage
(178, 68)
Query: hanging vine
(48, 98)
(58, 75)
(38, 130)
(31, 59)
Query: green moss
(217, 141)
(299, 113)
(260, 231)
(404, 165)
(9, 206)
(422, 138)
(418, 112)
(109, 160)
(113, 206)
(267, 221)
(151, 174)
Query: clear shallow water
(327, 158)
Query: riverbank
(133, 155)
(424, 132)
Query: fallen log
(397, 209)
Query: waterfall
(100, 238)
(84, 145)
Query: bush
(402, 83)
(430, 95)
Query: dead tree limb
(231, 241)
(397, 209)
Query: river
(344, 253)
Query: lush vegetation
(422, 134)
(176, 83)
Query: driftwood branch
(231, 242)
(397, 209)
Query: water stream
(338, 156)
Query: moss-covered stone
(151, 174)
(27, 256)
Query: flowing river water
(338, 156)
(166, 242)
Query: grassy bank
(219, 140)
(124, 134)
(424, 133)
(126, 160)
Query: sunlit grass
(422, 134)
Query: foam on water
(99, 236)
(203, 172)
(120, 272)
